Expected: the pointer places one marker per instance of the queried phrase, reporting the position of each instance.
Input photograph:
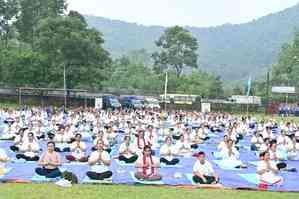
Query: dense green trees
(47, 40)
(177, 50)
(41, 38)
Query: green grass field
(49, 191)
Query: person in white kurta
(78, 150)
(267, 170)
(230, 156)
(29, 149)
(99, 162)
(168, 152)
(61, 140)
(127, 151)
(293, 149)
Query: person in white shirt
(100, 137)
(99, 161)
(183, 146)
(223, 143)
(283, 138)
(61, 140)
(78, 150)
(18, 141)
(230, 156)
(147, 166)
(256, 141)
(167, 153)
(277, 155)
(29, 149)
(203, 172)
(293, 149)
(127, 151)
(267, 170)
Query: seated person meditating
(78, 150)
(203, 172)
(167, 153)
(18, 140)
(230, 156)
(100, 137)
(49, 162)
(183, 146)
(267, 170)
(147, 166)
(99, 161)
(29, 149)
(127, 151)
(62, 140)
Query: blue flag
(248, 86)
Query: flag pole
(248, 93)
(64, 87)
(165, 90)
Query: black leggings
(66, 149)
(167, 162)
(128, 160)
(281, 165)
(99, 176)
(48, 173)
(210, 180)
(14, 148)
(27, 158)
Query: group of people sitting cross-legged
(149, 140)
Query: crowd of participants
(140, 135)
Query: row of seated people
(147, 166)
(27, 147)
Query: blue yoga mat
(41, 179)
(250, 177)
(6, 171)
(225, 167)
(189, 176)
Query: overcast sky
(200, 13)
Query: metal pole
(64, 85)
(20, 97)
(267, 91)
(165, 90)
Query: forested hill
(232, 51)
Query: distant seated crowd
(140, 135)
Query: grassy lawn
(49, 191)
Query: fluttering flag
(248, 86)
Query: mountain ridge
(233, 51)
